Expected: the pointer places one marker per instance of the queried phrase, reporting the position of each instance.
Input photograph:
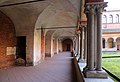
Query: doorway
(21, 48)
(67, 45)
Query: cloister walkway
(56, 69)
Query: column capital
(92, 7)
(100, 7)
(104, 4)
(78, 31)
(83, 26)
(89, 9)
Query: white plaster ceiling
(24, 16)
(58, 13)
(60, 33)
(48, 13)
(76, 4)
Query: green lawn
(112, 64)
(106, 54)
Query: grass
(112, 64)
(107, 54)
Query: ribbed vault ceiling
(47, 14)
(60, 33)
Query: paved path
(57, 69)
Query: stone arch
(61, 34)
(25, 17)
(67, 44)
(52, 16)
(7, 41)
(111, 43)
(103, 42)
(118, 43)
(49, 43)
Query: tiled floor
(57, 69)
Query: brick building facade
(111, 30)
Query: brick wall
(7, 39)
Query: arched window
(110, 19)
(117, 18)
(104, 19)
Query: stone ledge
(82, 66)
(96, 74)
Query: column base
(75, 54)
(95, 74)
(81, 60)
(77, 57)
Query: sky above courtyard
(113, 4)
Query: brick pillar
(42, 44)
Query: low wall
(79, 75)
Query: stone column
(81, 58)
(99, 37)
(76, 46)
(42, 44)
(78, 42)
(85, 43)
(90, 41)
(94, 40)
(90, 38)
(99, 9)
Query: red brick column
(42, 44)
